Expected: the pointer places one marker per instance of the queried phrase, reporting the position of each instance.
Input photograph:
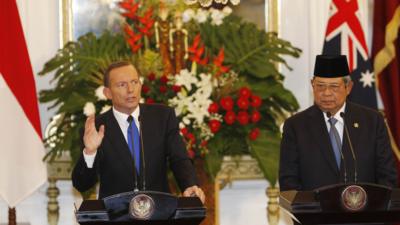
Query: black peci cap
(331, 66)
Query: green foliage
(254, 54)
(266, 150)
(251, 53)
(78, 70)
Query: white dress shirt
(340, 122)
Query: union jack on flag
(345, 35)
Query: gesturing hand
(195, 191)
(92, 138)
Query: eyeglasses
(334, 87)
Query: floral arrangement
(217, 71)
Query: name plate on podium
(360, 203)
(150, 207)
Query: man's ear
(349, 87)
(107, 93)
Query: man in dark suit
(315, 150)
(111, 148)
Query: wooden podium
(136, 208)
(343, 204)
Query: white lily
(100, 94)
(185, 79)
(89, 109)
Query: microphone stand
(142, 153)
(351, 147)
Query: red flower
(245, 92)
(196, 51)
(191, 153)
(150, 101)
(243, 103)
(176, 88)
(230, 117)
(145, 89)
(255, 101)
(255, 116)
(164, 79)
(151, 77)
(218, 62)
(191, 137)
(214, 125)
(226, 103)
(147, 23)
(213, 108)
(203, 61)
(243, 117)
(134, 47)
(163, 88)
(130, 8)
(253, 135)
(128, 30)
(184, 131)
(203, 143)
(132, 39)
(195, 44)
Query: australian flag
(345, 36)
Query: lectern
(360, 203)
(136, 208)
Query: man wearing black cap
(317, 149)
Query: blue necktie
(134, 146)
(335, 140)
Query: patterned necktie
(134, 145)
(335, 140)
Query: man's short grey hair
(346, 79)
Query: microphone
(130, 119)
(351, 147)
(329, 115)
(142, 153)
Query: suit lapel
(116, 137)
(353, 125)
(321, 136)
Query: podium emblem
(354, 198)
(141, 207)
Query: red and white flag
(22, 170)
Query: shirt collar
(337, 115)
(122, 117)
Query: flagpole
(12, 218)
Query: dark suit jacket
(307, 160)
(113, 166)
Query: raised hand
(92, 138)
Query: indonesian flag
(22, 170)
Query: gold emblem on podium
(141, 207)
(354, 198)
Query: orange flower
(197, 51)
(132, 39)
(130, 8)
(218, 62)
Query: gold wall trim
(238, 168)
(65, 10)
(273, 15)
